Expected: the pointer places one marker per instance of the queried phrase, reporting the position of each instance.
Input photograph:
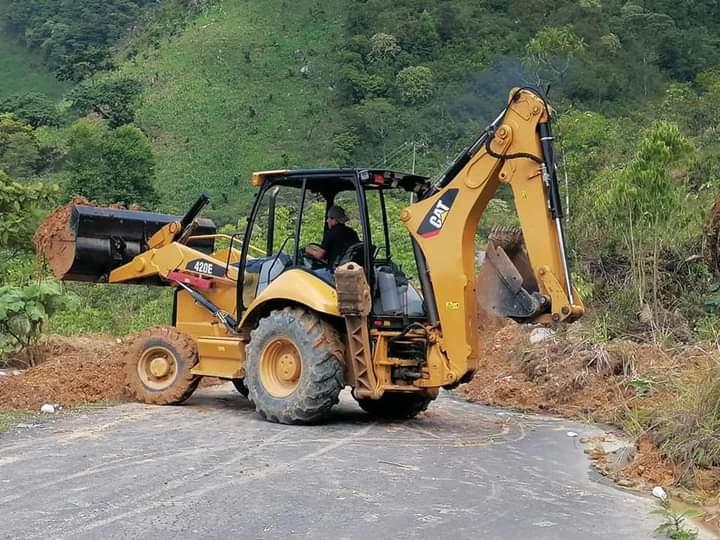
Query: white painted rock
(50, 408)
(659, 493)
(540, 334)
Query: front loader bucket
(86, 243)
(505, 285)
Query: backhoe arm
(516, 150)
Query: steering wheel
(310, 260)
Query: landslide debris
(72, 371)
(75, 371)
(569, 376)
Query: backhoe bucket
(87, 243)
(505, 284)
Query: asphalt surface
(213, 469)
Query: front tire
(294, 370)
(157, 369)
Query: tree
(113, 99)
(645, 31)
(551, 52)
(110, 165)
(375, 119)
(32, 108)
(643, 204)
(19, 149)
(415, 84)
(419, 35)
(20, 205)
(383, 47)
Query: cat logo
(435, 218)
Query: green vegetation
(23, 71)
(24, 311)
(32, 108)
(110, 165)
(675, 524)
(19, 205)
(10, 418)
(243, 87)
(75, 38)
(113, 99)
(687, 431)
(112, 309)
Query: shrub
(19, 206)
(32, 108)
(24, 311)
(19, 148)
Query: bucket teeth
(507, 237)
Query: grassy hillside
(244, 87)
(22, 71)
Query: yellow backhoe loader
(291, 330)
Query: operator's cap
(338, 214)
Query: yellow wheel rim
(280, 367)
(157, 368)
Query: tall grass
(687, 429)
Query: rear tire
(294, 369)
(157, 369)
(396, 405)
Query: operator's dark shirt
(336, 241)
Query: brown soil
(72, 371)
(75, 371)
(569, 376)
(54, 241)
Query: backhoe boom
(516, 150)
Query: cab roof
(339, 179)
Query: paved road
(213, 469)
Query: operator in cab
(338, 237)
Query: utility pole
(414, 153)
(413, 156)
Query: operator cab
(289, 221)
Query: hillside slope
(242, 88)
(22, 71)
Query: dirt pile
(54, 241)
(572, 377)
(75, 371)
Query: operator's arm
(319, 252)
(316, 252)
